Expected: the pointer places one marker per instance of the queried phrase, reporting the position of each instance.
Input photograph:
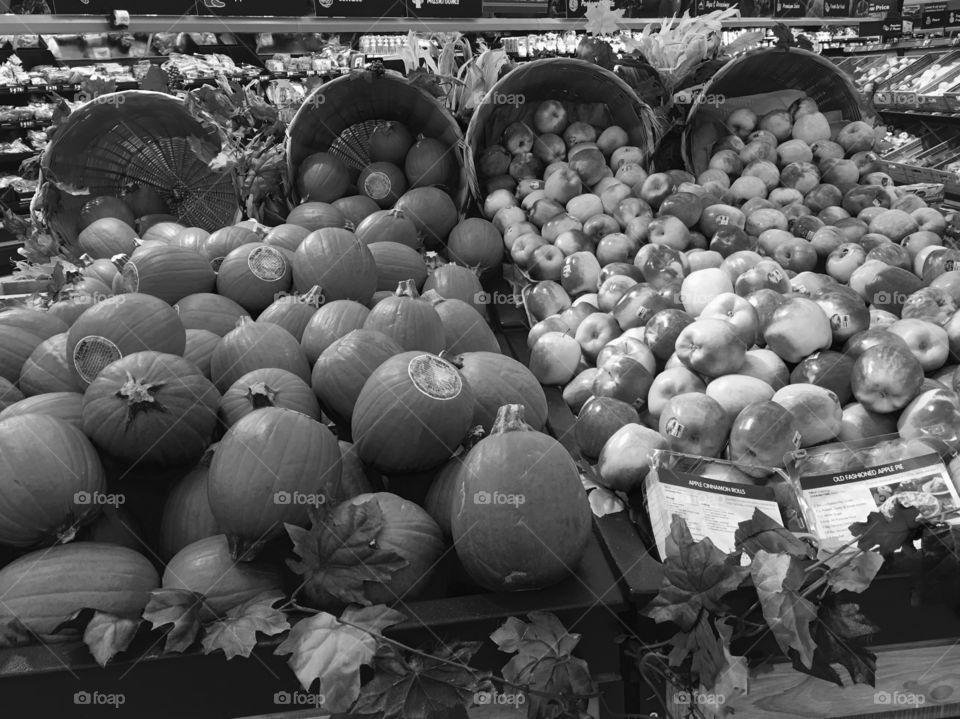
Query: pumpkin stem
(433, 297)
(84, 260)
(68, 532)
(244, 550)
(313, 297)
(407, 288)
(348, 225)
(208, 453)
(510, 419)
(260, 395)
(120, 260)
(140, 396)
(473, 436)
(455, 360)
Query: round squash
(104, 206)
(42, 324)
(407, 531)
(92, 289)
(268, 470)
(207, 311)
(117, 526)
(255, 345)
(411, 414)
(395, 263)
(444, 490)
(464, 329)
(199, 349)
(454, 282)
(344, 367)
(186, 513)
(497, 380)
(22, 331)
(101, 270)
(151, 407)
(192, 238)
(323, 178)
(330, 323)
(107, 237)
(48, 370)
(293, 312)
(119, 326)
(254, 276)
(69, 308)
(286, 236)
(432, 211)
(206, 567)
(355, 477)
(382, 182)
(224, 241)
(476, 243)
(45, 465)
(390, 141)
(9, 394)
(429, 162)
(62, 405)
(389, 226)
(355, 209)
(159, 228)
(520, 492)
(409, 320)
(47, 587)
(315, 216)
(339, 263)
(170, 273)
(267, 387)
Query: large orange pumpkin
(293, 312)
(9, 394)
(22, 331)
(454, 282)
(355, 209)
(411, 414)
(267, 387)
(199, 349)
(323, 178)
(286, 236)
(382, 182)
(168, 272)
(107, 237)
(432, 211)
(497, 380)
(390, 141)
(159, 228)
(69, 308)
(475, 243)
(102, 270)
(315, 216)
(186, 513)
(429, 162)
(355, 477)
(211, 312)
(464, 329)
(409, 320)
(62, 405)
(330, 323)
(339, 263)
(224, 241)
(104, 206)
(389, 226)
(255, 345)
(254, 276)
(192, 238)
(395, 263)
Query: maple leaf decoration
(236, 634)
(778, 579)
(885, 534)
(107, 635)
(840, 632)
(178, 609)
(603, 18)
(761, 532)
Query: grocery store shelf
(920, 114)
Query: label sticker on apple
(797, 439)
(723, 220)
(877, 203)
(838, 321)
(949, 265)
(775, 276)
(642, 312)
(566, 271)
(674, 428)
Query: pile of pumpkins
(186, 388)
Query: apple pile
(787, 297)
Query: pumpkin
(355, 209)
(407, 531)
(9, 394)
(389, 226)
(199, 349)
(159, 228)
(395, 263)
(254, 275)
(145, 200)
(91, 289)
(286, 236)
(497, 380)
(382, 182)
(429, 162)
(23, 330)
(224, 241)
(390, 142)
(355, 477)
(191, 238)
(464, 329)
(186, 512)
(330, 323)
(45, 588)
(151, 407)
(411, 321)
(323, 178)
(62, 405)
(206, 567)
(475, 243)
(207, 311)
(444, 489)
(267, 387)
(119, 326)
(116, 525)
(339, 263)
(45, 463)
(293, 312)
(432, 211)
(69, 308)
(454, 282)
(48, 370)
(101, 270)
(170, 273)
(35, 322)
(104, 206)
(520, 492)
(315, 216)
(254, 345)
(268, 470)
(411, 414)
(107, 237)
(344, 367)
(379, 296)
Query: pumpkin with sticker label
(224, 241)
(254, 275)
(382, 182)
(170, 273)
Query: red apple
(546, 263)
(623, 377)
(626, 457)
(844, 260)
(555, 358)
(798, 328)
(797, 255)
(711, 347)
(736, 391)
(662, 330)
(626, 269)
(518, 138)
(656, 188)
(766, 365)
(761, 436)
(928, 342)
(738, 312)
(612, 290)
(891, 254)
(550, 116)
(575, 314)
(762, 276)
(669, 383)
(594, 332)
(616, 247)
(860, 423)
(826, 369)
(544, 299)
(716, 216)
(817, 410)
(579, 390)
(600, 225)
(885, 378)
(579, 273)
(846, 311)
(553, 323)
(730, 239)
(598, 420)
(660, 264)
(630, 345)
(685, 206)
(802, 176)
(695, 424)
(930, 304)
(578, 132)
(934, 414)
(638, 305)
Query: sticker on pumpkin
(92, 354)
(130, 277)
(435, 377)
(267, 264)
(377, 186)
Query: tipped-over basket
(122, 140)
(765, 80)
(517, 94)
(339, 116)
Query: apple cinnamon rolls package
(714, 496)
(843, 482)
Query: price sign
(836, 8)
(136, 7)
(445, 8)
(257, 8)
(788, 8)
(891, 29)
(934, 15)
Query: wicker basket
(763, 71)
(558, 79)
(338, 117)
(133, 138)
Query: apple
(550, 117)
(600, 225)
(765, 275)
(660, 264)
(930, 220)
(521, 252)
(528, 202)
(589, 164)
(929, 304)
(554, 358)
(862, 341)
(575, 314)
(786, 196)
(797, 329)
(613, 195)
(809, 124)
(727, 160)
(628, 269)
(684, 206)
(844, 260)
(832, 215)
(611, 290)
(661, 331)
(758, 151)
(525, 165)
(937, 262)
(573, 241)
(700, 287)
(579, 390)
(549, 148)
(553, 323)
(598, 420)
(858, 423)
(500, 182)
(544, 299)
(856, 137)
(493, 161)
(616, 247)
(629, 154)
(826, 240)
(826, 150)
(697, 241)
(730, 239)
(631, 174)
(796, 254)
(867, 160)
(589, 299)
(796, 209)
(883, 286)
(518, 138)
(823, 196)
(729, 142)
(578, 132)
(720, 215)
(895, 224)
(718, 176)
(843, 173)
(584, 206)
(630, 345)
(766, 365)
(762, 434)
(638, 305)
(544, 210)
(695, 423)
(927, 341)
(711, 347)
(563, 185)
(671, 231)
(738, 312)
(793, 151)
(817, 410)
(670, 383)
(579, 273)
(513, 232)
(891, 254)
(656, 188)
(810, 284)
(626, 457)
(625, 378)
(802, 176)
(702, 259)
(918, 241)
(778, 123)
(826, 369)
(865, 197)
(611, 138)
(846, 311)
(763, 136)
(496, 201)
(736, 391)
(742, 121)
(933, 414)
(885, 378)
(881, 318)
(546, 263)
(949, 282)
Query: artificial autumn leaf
(762, 532)
(939, 577)
(326, 648)
(543, 636)
(778, 579)
(887, 535)
(179, 608)
(107, 635)
(851, 569)
(840, 632)
(696, 575)
(14, 633)
(339, 553)
(236, 634)
(155, 80)
(602, 18)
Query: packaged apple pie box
(843, 482)
(714, 496)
